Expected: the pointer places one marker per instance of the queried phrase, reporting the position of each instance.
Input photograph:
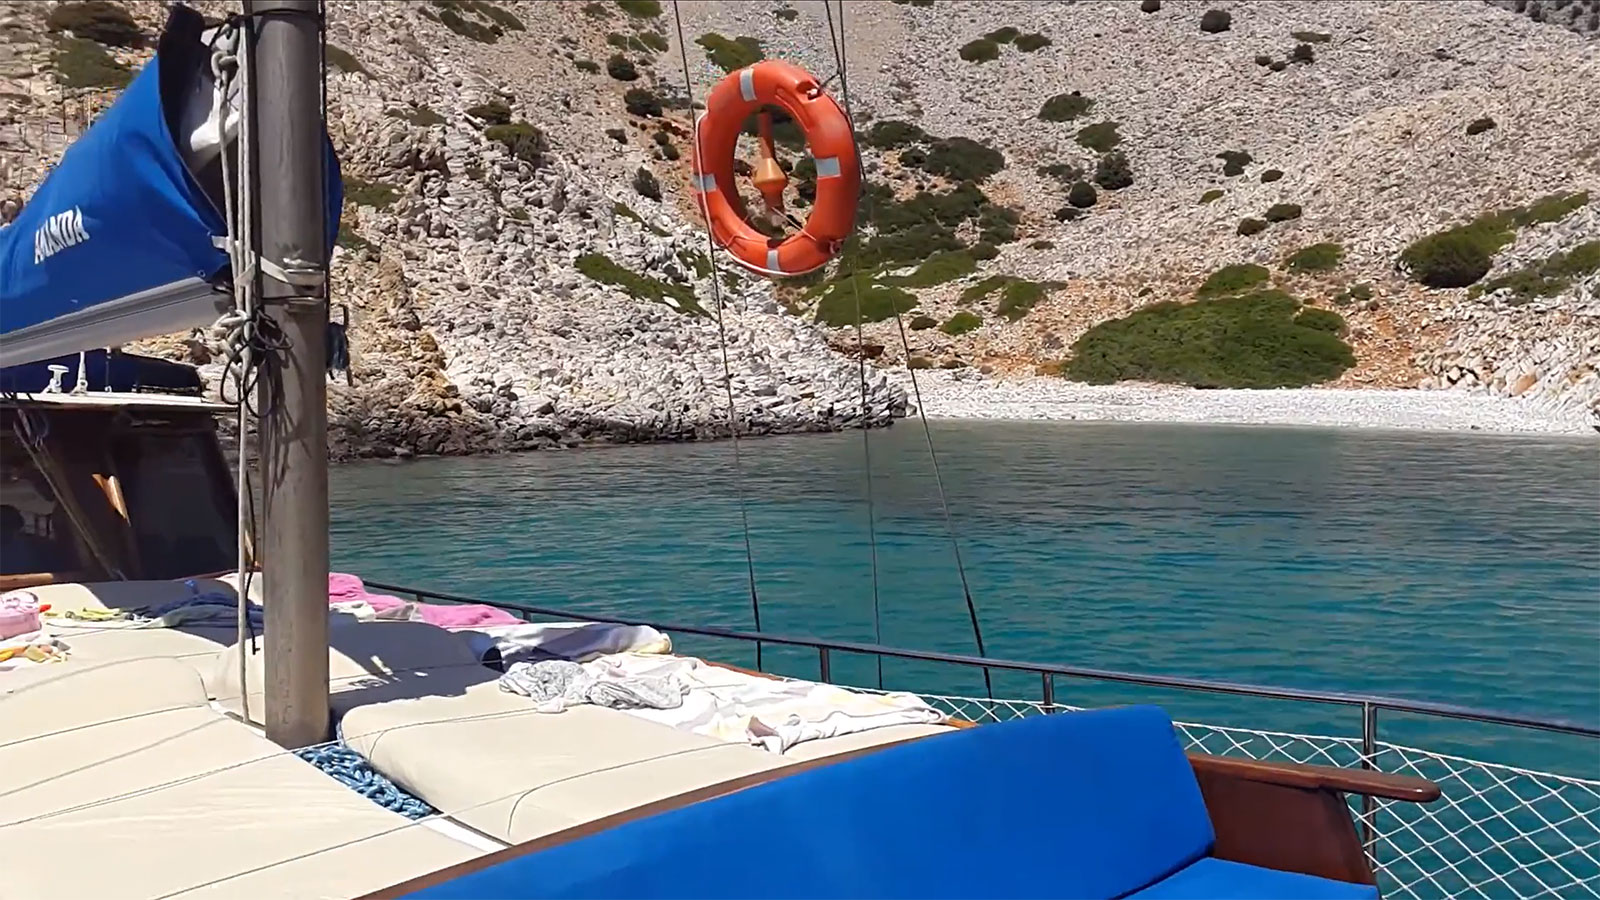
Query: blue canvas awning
(120, 242)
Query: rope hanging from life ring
(830, 136)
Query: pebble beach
(958, 395)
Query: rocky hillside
(523, 266)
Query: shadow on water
(1454, 568)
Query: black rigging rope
(727, 374)
(861, 349)
(933, 456)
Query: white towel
(774, 714)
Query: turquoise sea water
(1459, 569)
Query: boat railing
(1497, 831)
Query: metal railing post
(824, 665)
(1369, 811)
(1048, 694)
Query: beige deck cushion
(120, 781)
(128, 594)
(368, 662)
(844, 743)
(485, 758)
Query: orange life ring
(833, 147)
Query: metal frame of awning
(163, 310)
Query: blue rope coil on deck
(352, 770)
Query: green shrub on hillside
(501, 17)
(421, 116)
(587, 66)
(1017, 297)
(1003, 35)
(1452, 259)
(1480, 125)
(98, 21)
(837, 306)
(653, 41)
(1082, 195)
(1248, 226)
(923, 323)
(1066, 173)
(1249, 341)
(599, 267)
(1303, 53)
(640, 9)
(786, 14)
(525, 142)
(596, 10)
(1263, 60)
(1551, 208)
(1278, 65)
(963, 159)
(1042, 245)
(1354, 293)
(1211, 195)
(984, 288)
(1458, 257)
(617, 39)
(946, 265)
(621, 68)
(1282, 212)
(1233, 162)
(1316, 258)
(646, 185)
(960, 323)
(980, 50)
(997, 224)
(1549, 276)
(1271, 175)
(1234, 279)
(1216, 21)
(375, 194)
(890, 134)
(495, 112)
(1320, 319)
(470, 29)
(729, 55)
(1101, 137)
(641, 102)
(1065, 107)
(349, 240)
(620, 208)
(1113, 172)
(82, 63)
(341, 59)
(1311, 37)
(1028, 43)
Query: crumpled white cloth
(771, 713)
(577, 641)
(555, 684)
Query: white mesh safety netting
(1495, 832)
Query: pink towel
(344, 588)
(456, 615)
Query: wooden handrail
(1350, 781)
(38, 579)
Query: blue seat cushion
(1088, 805)
(1215, 879)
